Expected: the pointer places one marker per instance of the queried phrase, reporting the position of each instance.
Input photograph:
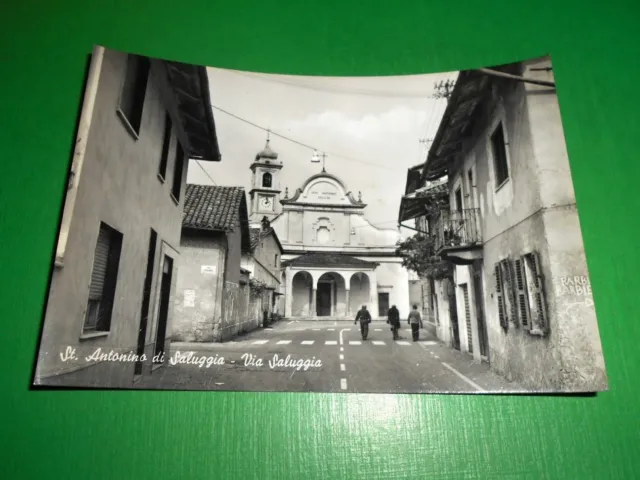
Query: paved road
(337, 361)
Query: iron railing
(457, 228)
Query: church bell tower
(265, 185)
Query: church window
(266, 180)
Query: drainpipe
(79, 152)
(518, 78)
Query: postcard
(239, 231)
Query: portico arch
(331, 295)
(301, 292)
(360, 288)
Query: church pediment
(324, 189)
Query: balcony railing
(455, 229)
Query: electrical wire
(310, 147)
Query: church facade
(334, 260)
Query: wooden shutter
(535, 281)
(502, 314)
(100, 262)
(508, 290)
(467, 316)
(521, 294)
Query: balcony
(458, 235)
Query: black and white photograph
(240, 231)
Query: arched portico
(329, 293)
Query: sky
(369, 127)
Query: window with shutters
(177, 173)
(133, 93)
(103, 280)
(166, 142)
(504, 285)
(502, 312)
(539, 324)
(522, 296)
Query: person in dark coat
(394, 321)
(365, 319)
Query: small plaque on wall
(208, 269)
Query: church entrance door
(323, 299)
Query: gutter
(84, 126)
(496, 73)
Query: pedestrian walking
(364, 317)
(394, 320)
(415, 320)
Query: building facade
(211, 288)
(113, 281)
(334, 261)
(263, 263)
(511, 230)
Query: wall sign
(208, 269)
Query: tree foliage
(418, 254)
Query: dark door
(163, 314)
(383, 304)
(146, 298)
(453, 315)
(323, 299)
(482, 325)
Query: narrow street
(377, 365)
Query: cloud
(397, 122)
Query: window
(134, 91)
(499, 150)
(166, 142)
(275, 261)
(531, 299)
(458, 200)
(504, 293)
(103, 280)
(266, 180)
(177, 173)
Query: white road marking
(260, 342)
(315, 329)
(428, 342)
(331, 329)
(355, 342)
(335, 323)
(436, 356)
(290, 322)
(307, 342)
(342, 349)
(377, 329)
(468, 380)
(342, 367)
(377, 342)
(219, 383)
(331, 342)
(283, 342)
(343, 383)
(400, 342)
(341, 357)
(343, 330)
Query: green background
(175, 435)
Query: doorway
(483, 337)
(324, 299)
(146, 299)
(383, 304)
(163, 314)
